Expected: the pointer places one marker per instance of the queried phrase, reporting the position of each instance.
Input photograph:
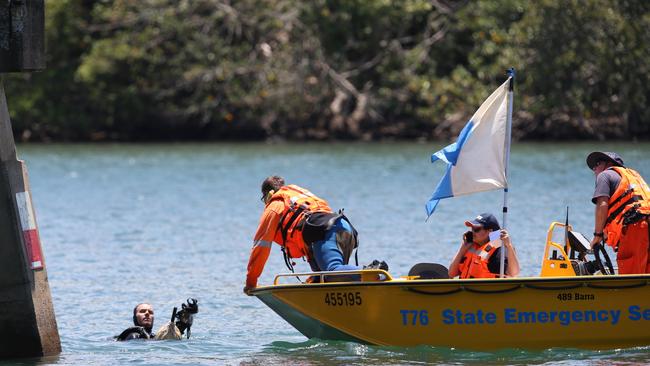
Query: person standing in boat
(304, 226)
(478, 256)
(622, 201)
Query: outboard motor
(581, 266)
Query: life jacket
(475, 262)
(298, 204)
(629, 204)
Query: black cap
(597, 156)
(486, 220)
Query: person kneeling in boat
(304, 226)
(478, 256)
(143, 317)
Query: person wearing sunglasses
(480, 257)
(622, 200)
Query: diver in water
(143, 317)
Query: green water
(123, 224)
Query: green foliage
(321, 69)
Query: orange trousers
(632, 256)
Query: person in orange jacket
(622, 212)
(478, 257)
(304, 226)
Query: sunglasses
(598, 164)
(477, 229)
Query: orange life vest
(629, 204)
(475, 262)
(297, 203)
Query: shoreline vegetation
(320, 70)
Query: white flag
(476, 161)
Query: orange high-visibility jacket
(281, 223)
(475, 262)
(631, 194)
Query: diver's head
(143, 316)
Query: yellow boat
(557, 309)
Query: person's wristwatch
(599, 234)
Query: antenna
(566, 234)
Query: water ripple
(123, 224)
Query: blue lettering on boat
(562, 317)
(470, 317)
(565, 318)
(637, 314)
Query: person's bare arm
(602, 206)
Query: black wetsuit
(136, 332)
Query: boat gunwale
(466, 284)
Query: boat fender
(429, 271)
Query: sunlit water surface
(123, 224)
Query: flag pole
(511, 92)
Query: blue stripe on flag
(443, 190)
(450, 153)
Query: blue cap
(486, 220)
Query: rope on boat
(634, 285)
(534, 287)
(469, 289)
(554, 288)
(434, 293)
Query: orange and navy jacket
(281, 223)
(632, 193)
(475, 262)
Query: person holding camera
(480, 257)
(143, 317)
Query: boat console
(570, 259)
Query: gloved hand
(185, 317)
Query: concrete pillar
(27, 322)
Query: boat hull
(597, 312)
